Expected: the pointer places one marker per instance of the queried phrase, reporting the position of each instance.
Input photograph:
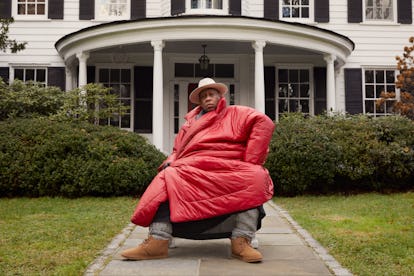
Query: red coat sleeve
(260, 129)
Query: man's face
(209, 99)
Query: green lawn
(370, 234)
(55, 236)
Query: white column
(69, 78)
(157, 98)
(330, 83)
(259, 91)
(82, 57)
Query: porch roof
(201, 28)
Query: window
(112, 9)
(31, 74)
(296, 10)
(29, 9)
(379, 10)
(293, 91)
(206, 6)
(120, 82)
(375, 82)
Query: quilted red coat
(215, 167)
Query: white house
(276, 56)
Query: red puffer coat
(215, 168)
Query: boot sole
(144, 258)
(247, 260)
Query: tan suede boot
(241, 249)
(149, 249)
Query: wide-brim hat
(204, 84)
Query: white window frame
(100, 17)
(310, 19)
(380, 21)
(364, 97)
(23, 67)
(311, 85)
(223, 11)
(28, 16)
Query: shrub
(28, 100)
(42, 157)
(325, 154)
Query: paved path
(287, 250)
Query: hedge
(42, 157)
(345, 154)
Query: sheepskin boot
(241, 249)
(149, 249)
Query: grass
(56, 236)
(370, 234)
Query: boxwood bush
(324, 154)
(42, 157)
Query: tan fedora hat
(204, 84)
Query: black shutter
(271, 9)
(5, 8)
(319, 76)
(4, 74)
(56, 77)
(90, 74)
(86, 9)
(353, 91)
(322, 11)
(235, 7)
(143, 86)
(404, 10)
(55, 9)
(177, 7)
(270, 84)
(138, 9)
(354, 11)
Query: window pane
(293, 75)
(19, 74)
(115, 75)
(379, 89)
(41, 75)
(369, 91)
(283, 75)
(379, 76)
(283, 106)
(30, 75)
(124, 91)
(390, 76)
(41, 9)
(283, 90)
(304, 75)
(126, 121)
(369, 76)
(304, 106)
(293, 106)
(304, 90)
(104, 75)
(305, 13)
(369, 106)
(294, 90)
(125, 75)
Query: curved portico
(225, 35)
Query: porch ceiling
(222, 34)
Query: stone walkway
(287, 250)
